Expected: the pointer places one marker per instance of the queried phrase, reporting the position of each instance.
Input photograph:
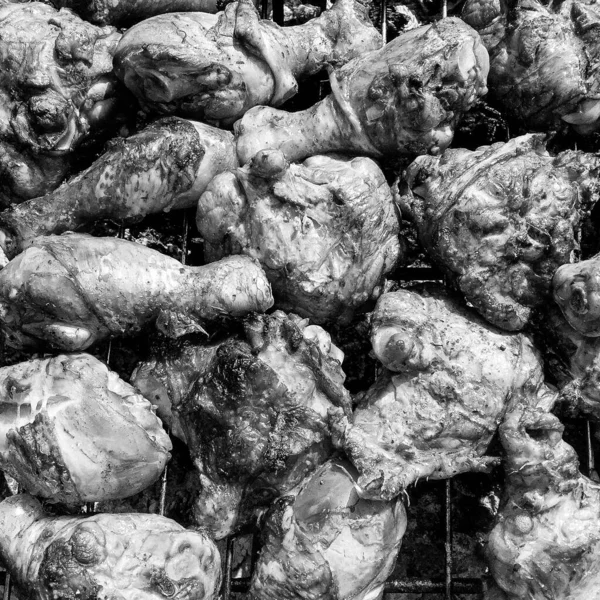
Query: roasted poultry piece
(499, 220)
(181, 64)
(403, 99)
(165, 166)
(104, 556)
(73, 431)
(253, 411)
(544, 60)
(70, 291)
(57, 91)
(325, 232)
(449, 379)
(546, 540)
(327, 542)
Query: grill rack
(449, 585)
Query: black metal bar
(589, 450)
(264, 10)
(278, 11)
(384, 20)
(227, 579)
(448, 558)
(7, 587)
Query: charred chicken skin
(165, 166)
(326, 231)
(73, 431)
(500, 220)
(403, 99)
(327, 542)
(433, 413)
(180, 64)
(544, 60)
(546, 540)
(253, 411)
(57, 90)
(70, 291)
(105, 556)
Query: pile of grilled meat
(296, 385)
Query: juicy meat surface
(405, 98)
(57, 91)
(325, 231)
(546, 541)
(182, 63)
(449, 378)
(70, 291)
(105, 556)
(73, 431)
(253, 411)
(500, 220)
(165, 166)
(326, 542)
(544, 60)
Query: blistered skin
(105, 556)
(57, 91)
(546, 542)
(253, 410)
(166, 166)
(500, 220)
(325, 231)
(544, 60)
(433, 413)
(182, 64)
(327, 542)
(73, 431)
(576, 289)
(70, 291)
(403, 99)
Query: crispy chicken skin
(404, 99)
(182, 64)
(165, 166)
(73, 431)
(105, 556)
(500, 220)
(545, 543)
(326, 231)
(434, 411)
(544, 60)
(70, 291)
(253, 411)
(57, 91)
(326, 542)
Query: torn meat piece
(327, 542)
(181, 63)
(326, 232)
(434, 412)
(120, 556)
(253, 410)
(71, 291)
(404, 99)
(499, 220)
(73, 431)
(165, 166)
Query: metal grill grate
(449, 585)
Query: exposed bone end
(586, 119)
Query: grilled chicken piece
(325, 232)
(105, 557)
(499, 220)
(166, 166)
(73, 431)
(57, 91)
(253, 411)
(433, 414)
(576, 289)
(403, 99)
(327, 542)
(70, 291)
(544, 60)
(180, 64)
(546, 541)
